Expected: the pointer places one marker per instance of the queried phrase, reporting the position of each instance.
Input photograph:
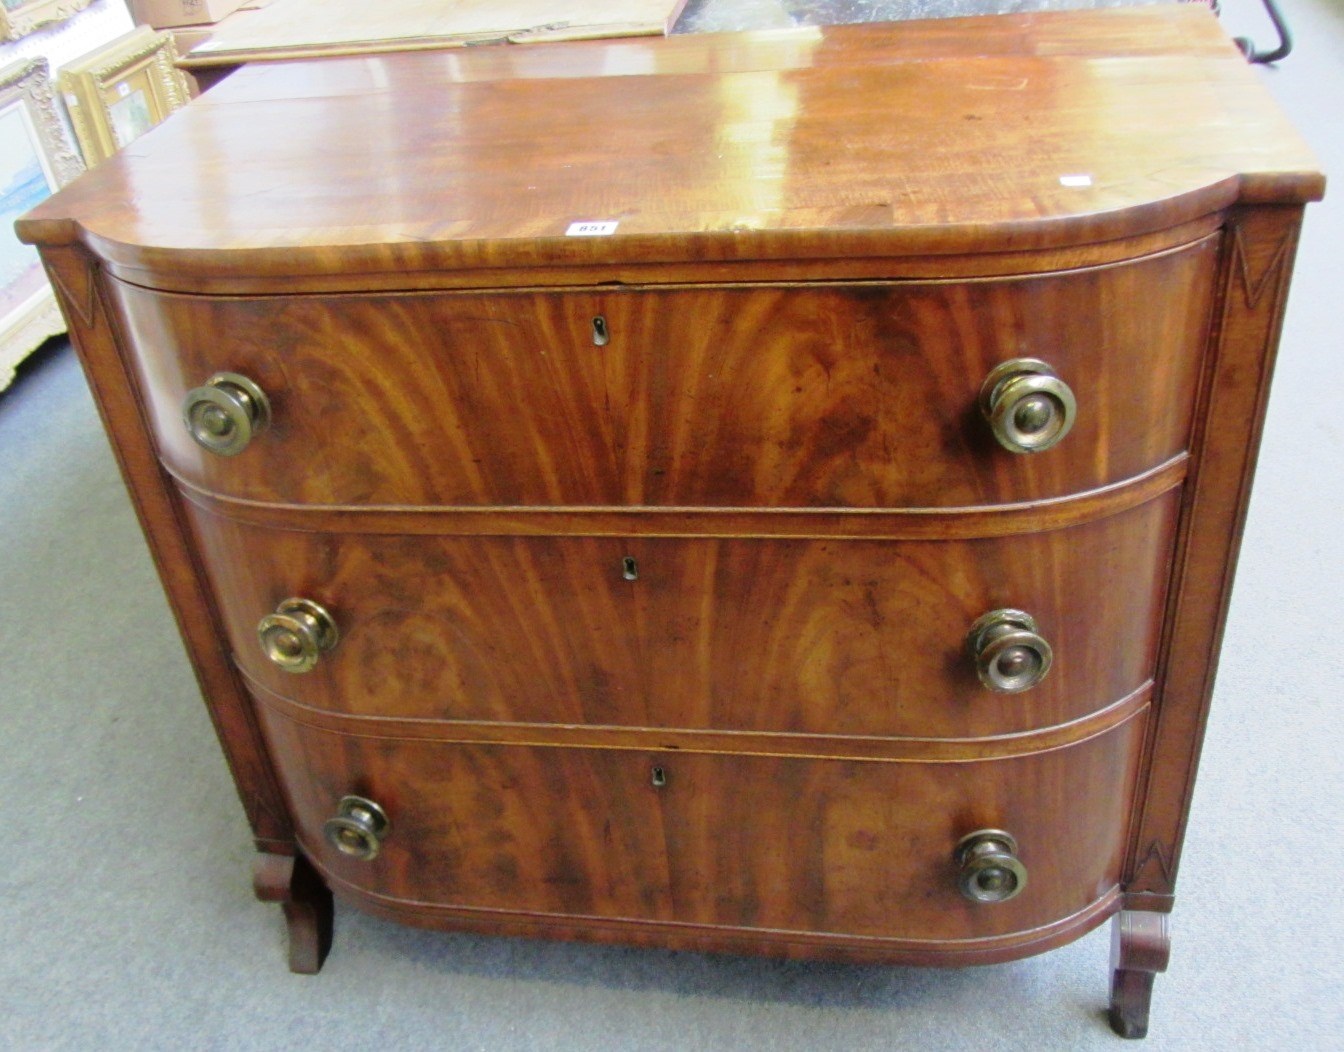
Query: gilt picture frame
(118, 92)
(36, 159)
(18, 18)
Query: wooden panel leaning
(665, 499)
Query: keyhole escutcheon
(630, 568)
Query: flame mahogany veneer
(653, 552)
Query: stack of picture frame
(18, 18)
(36, 159)
(111, 96)
(118, 92)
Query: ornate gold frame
(95, 85)
(34, 317)
(29, 15)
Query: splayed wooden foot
(291, 881)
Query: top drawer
(857, 395)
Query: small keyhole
(629, 568)
(600, 334)
(659, 778)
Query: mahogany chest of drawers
(771, 493)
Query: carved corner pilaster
(1254, 275)
(1153, 873)
(74, 280)
(1257, 263)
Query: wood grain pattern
(740, 163)
(850, 637)
(802, 396)
(778, 845)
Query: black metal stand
(1285, 38)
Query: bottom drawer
(820, 847)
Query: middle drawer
(813, 636)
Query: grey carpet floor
(127, 922)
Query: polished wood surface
(824, 240)
(794, 396)
(779, 844)
(819, 637)
(429, 168)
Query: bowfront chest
(762, 493)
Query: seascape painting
(24, 181)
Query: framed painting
(36, 159)
(117, 93)
(20, 17)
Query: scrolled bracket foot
(291, 881)
(1140, 948)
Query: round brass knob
(297, 634)
(358, 828)
(990, 869)
(225, 412)
(1009, 653)
(1028, 407)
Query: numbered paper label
(592, 228)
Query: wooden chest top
(956, 136)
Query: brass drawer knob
(297, 634)
(225, 412)
(990, 869)
(1010, 654)
(358, 828)
(1028, 407)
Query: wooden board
(312, 28)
